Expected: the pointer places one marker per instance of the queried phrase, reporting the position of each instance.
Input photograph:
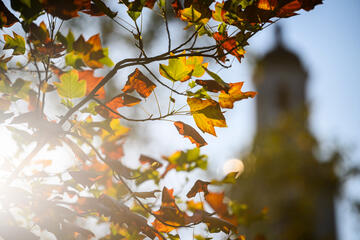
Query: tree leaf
(121, 100)
(153, 162)
(190, 133)
(17, 43)
(199, 186)
(216, 202)
(146, 194)
(206, 114)
(70, 86)
(177, 70)
(196, 63)
(91, 82)
(218, 79)
(230, 45)
(169, 213)
(7, 19)
(226, 100)
(210, 85)
(139, 82)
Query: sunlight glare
(233, 165)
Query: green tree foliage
(99, 185)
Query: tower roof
(279, 57)
(280, 51)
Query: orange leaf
(91, 82)
(121, 100)
(139, 82)
(226, 100)
(215, 200)
(267, 4)
(199, 186)
(190, 133)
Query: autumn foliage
(100, 185)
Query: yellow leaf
(207, 114)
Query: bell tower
(282, 173)
(280, 79)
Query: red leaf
(190, 133)
(230, 44)
(139, 82)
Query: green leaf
(177, 70)
(187, 161)
(106, 60)
(91, 108)
(197, 65)
(17, 43)
(67, 103)
(70, 86)
(74, 60)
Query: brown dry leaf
(199, 186)
(190, 133)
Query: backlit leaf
(139, 82)
(17, 43)
(121, 100)
(207, 114)
(196, 63)
(169, 213)
(226, 100)
(91, 82)
(230, 45)
(216, 202)
(70, 86)
(177, 70)
(190, 133)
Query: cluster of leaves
(100, 184)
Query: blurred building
(282, 172)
